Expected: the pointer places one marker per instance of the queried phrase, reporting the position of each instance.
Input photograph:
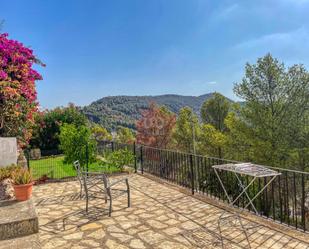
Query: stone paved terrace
(160, 217)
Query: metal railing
(286, 200)
(51, 165)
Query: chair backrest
(78, 170)
(82, 176)
(106, 181)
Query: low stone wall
(17, 219)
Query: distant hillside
(114, 111)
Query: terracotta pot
(23, 192)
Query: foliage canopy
(155, 126)
(48, 123)
(18, 97)
(77, 143)
(275, 115)
(125, 135)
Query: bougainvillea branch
(18, 96)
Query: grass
(54, 167)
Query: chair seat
(96, 184)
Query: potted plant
(6, 182)
(22, 183)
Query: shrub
(74, 142)
(48, 123)
(120, 158)
(7, 172)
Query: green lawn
(54, 167)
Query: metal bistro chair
(79, 177)
(91, 179)
(96, 184)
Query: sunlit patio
(161, 216)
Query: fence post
(87, 157)
(142, 167)
(192, 174)
(27, 155)
(303, 212)
(113, 148)
(135, 158)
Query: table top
(249, 169)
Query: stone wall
(8, 151)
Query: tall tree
(77, 143)
(211, 141)
(213, 113)
(48, 123)
(240, 139)
(155, 126)
(18, 97)
(187, 130)
(276, 106)
(215, 110)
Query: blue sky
(135, 47)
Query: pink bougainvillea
(18, 96)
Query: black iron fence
(50, 164)
(286, 200)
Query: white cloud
(212, 83)
(289, 47)
(293, 39)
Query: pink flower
(3, 75)
(18, 76)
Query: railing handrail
(209, 157)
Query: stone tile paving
(160, 217)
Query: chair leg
(110, 207)
(128, 191)
(86, 204)
(81, 191)
(105, 197)
(87, 199)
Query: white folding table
(248, 169)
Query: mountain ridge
(124, 110)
